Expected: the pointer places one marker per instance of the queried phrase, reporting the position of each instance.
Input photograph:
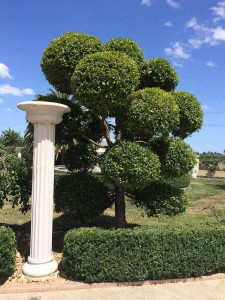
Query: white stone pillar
(44, 115)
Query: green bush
(102, 81)
(152, 112)
(82, 196)
(127, 46)
(81, 156)
(179, 159)
(15, 181)
(191, 115)
(179, 182)
(63, 54)
(161, 198)
(130, 165)
(159, 73)
(159, 252)
(7, 252)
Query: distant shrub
(82, 196)
(156, 252)
(7, 252)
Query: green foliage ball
(102, 81)
(179, 159)
(82, 196)
(81, 156)
(191, 115)
(127, 46)
(161, 198)
(130, 165)
(62, 55)
(152, 112)
(159, 73)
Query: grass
(207, 204)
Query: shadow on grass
(61, 225)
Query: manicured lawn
(207, 204)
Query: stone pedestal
(44, 115)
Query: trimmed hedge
(179, 182)
(159, 252)
(7, 252)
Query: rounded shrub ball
(161, 198)
(62, 55)
(179, 159)
(102, 81)
(159, 73)
(191, 115)
(82, 196)
(130, 165)
(127, 46)
(152, 112)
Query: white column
(44, 115)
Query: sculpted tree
(142, 118)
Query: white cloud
(210, 64)
(11, 90)
(205, 107)
(9, 109)
(1, 101)
(146, 2)
(173, 3)
(4, 71)
(219, 11)
(168, 24)
(219, 34)
(205, 35)
(177, 51)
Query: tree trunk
(120, 217)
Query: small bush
(179, 182)
(7, 252)
(161, 198)
(82, 196)
(130, 165)
(159, 252)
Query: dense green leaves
(82, 196)
(127, 46)
(159, 73)
(156, 252)
(63, 54)
(103, 81)
(153, 112)
(161, 198)
(130, 165)
(179, 159)
(15, 181)
(191, 115)
(80, 156)
(7, 252)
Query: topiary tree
(132, 100)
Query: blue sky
(190, 34)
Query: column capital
(44, 112)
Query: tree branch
(105, 130)
(91, 141)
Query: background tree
(150, 119)
(10, 139)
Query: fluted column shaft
(42, 193)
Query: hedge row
(7, 252)
(159, 252)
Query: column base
(40, 270)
